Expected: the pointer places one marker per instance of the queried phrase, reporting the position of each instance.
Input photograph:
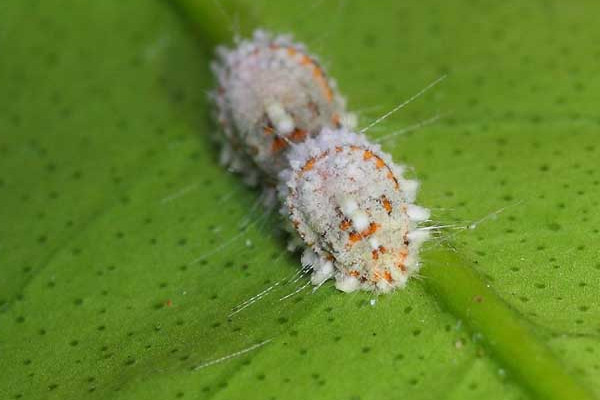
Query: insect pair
(285, 129)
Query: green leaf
(124, 246)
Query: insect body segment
(352, 207)
(346, 204)
(271, 93)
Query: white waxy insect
(346, 204)
(271, 92)
(353, 209)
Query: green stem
(464, 292)
(216, 21)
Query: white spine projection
(346, 204)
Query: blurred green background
(124, 245)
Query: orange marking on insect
(345, 224)
(335, 120)
(386, 204)
(354, 273)
(354, 237)
(379, 163)
(387, 276)
(391, 177)
(376, 277)
(320, 78)
(305, 60)
(382, 249)
(317, 73)
(278, 144)
(309, 164)
(338, 149)
(373, 227)
(298, 135)
(375, 254)
(402, 257)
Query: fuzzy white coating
(346, 199)
(360, 220)
(271, 92)
(417, 213)
(348, 206)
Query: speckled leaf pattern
(124, 245)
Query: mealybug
(346, 203)
(271, 93)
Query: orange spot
(335, 120)
(305, 60)
(375, 254)
(367, 155)
(298, 135)
(278, 144)
(169, 303)
(345, 224)
(373, 227)
(376, 277)
(317, 73)
(354, 273)
(386, 204)
(354, 237)
(338, 149)
(309, 164)
(291, 51)
(382, 249)
(387, 276)
(391, 177)
(379, 163)
(403, 253)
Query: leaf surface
(124, 245)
